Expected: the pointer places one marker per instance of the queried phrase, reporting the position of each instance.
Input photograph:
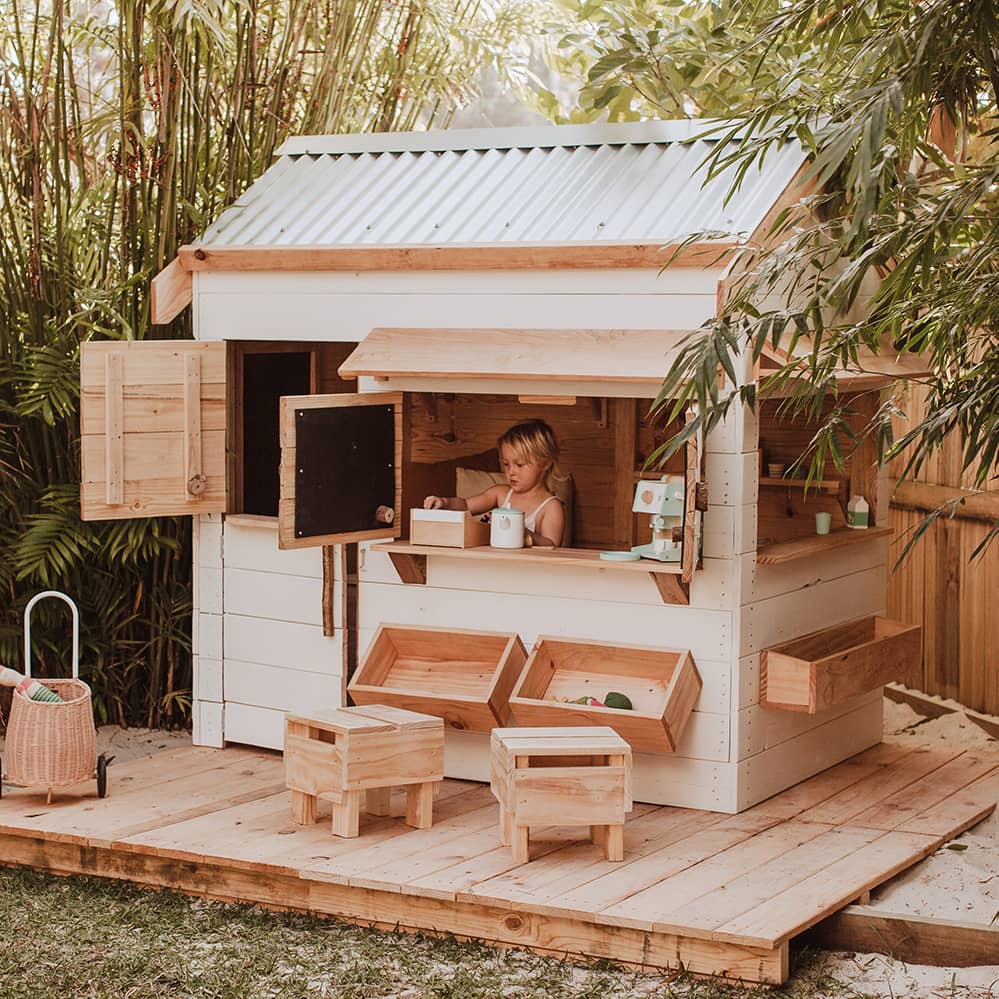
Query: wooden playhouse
(369, 317)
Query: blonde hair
(534, 440)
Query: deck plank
(261, 835)
(553, 883)
(211, 784)
(657, 869)
(841, 808)
(804, 903)
(388, 866)
(926, 792)
(793, 855)
(576, 859)
(485, 858)
(716, 877)
(958, 812)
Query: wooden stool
(561, 777)
(340, 752)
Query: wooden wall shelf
(464, 677)
(816, 544)
(827, 485)
(410, 562)
(830, 666)
(662, 684)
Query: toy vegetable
(614, 699)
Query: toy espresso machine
(662, 500)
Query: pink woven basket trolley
(54, 744)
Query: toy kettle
(506, 528)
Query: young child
(529, 459)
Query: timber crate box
(662, 685)
(464, 677)
(447, 528)
(830, 666)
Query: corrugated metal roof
(636, 182)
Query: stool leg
(303, 808)
(521, 836)
(598, 835)
(505, 826)
(420, 805)
(614, 847)
(378, 800)
(346, 815)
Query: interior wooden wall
(941, 588)
(603, 446)
(788, 512)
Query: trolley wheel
(102, 775)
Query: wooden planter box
(663, 686)
(830, 666)
(464, 677)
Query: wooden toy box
(447, 529)
(464, 677)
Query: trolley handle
(27, 630)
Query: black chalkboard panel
(345, 468)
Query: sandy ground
(956, 884)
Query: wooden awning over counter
(584, 362)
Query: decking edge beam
(906, 937)
(558, 936)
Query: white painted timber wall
(345, 306)
(259, 648)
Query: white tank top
(530, 519)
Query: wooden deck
(717, 894)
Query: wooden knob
(384, 515)
(701, 496)
(197, 484)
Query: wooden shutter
(153, 428)
(341, 468)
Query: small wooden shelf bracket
(600, 411)
(411, 568)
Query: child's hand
(433, 503)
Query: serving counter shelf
(776, 553)
(410, 562)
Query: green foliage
(658, 59)
(896, 105)
(124, 130)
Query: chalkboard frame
(327, 494)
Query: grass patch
(92, 939)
